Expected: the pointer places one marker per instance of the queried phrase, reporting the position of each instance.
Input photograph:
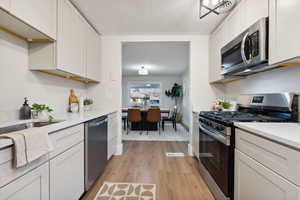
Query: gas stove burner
(236, 116)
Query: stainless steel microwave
(248, 52)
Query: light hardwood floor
(145, 162)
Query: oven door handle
(243, 49)
(221, 138)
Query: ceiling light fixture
(215, 6)
(143, 71)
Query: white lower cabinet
(67, 174)
(112, 135)
(32, 186)
(253, 181)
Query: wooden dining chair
(172, 118)
(153, 116)
(134, 116)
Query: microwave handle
(243, 49)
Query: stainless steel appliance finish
(282, 101)
(95, 150)
(248, 52)
(217, 134)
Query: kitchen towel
(29, 145)
(19, 148)
(37, 143)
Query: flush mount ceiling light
(143, 71)
(215, 6)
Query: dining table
(145, 125)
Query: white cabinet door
(67, 174)
(93, 55)
(234, 23)
(112, 134)
(254, 10)
(217, 41)
(284, 31)
(5, 4)
(70, 39)
(41, 14)
(254, 181)
(33, 185)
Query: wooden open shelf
(64, 75)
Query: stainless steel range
(217, 132)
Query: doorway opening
(156, 76)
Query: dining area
(145, 120)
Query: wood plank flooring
(145, 162)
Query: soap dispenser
(25, 111)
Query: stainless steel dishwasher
(95, 150)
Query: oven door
(215, 155)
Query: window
(144, 94)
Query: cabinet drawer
(64, 139)
(253, 181)
(32, 186)
(280, 159)
(7, 171)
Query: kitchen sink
(24, 126)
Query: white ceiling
(129, 17)
(160, 58)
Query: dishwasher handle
(96, 123)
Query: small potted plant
(41, 112)
(221, 105)
(88, 104)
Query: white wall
(17, 82)
(186, 98)
(166, 82)
(286, 79)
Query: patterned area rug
(126, 191)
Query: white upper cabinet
(215, 55)
(284, 31)
(253, 10)
(76, 53)
(5, 4)
(40, 14)
(246, 13)
(70, 40)
(93, 54)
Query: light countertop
(284, 133)
(70, 119)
